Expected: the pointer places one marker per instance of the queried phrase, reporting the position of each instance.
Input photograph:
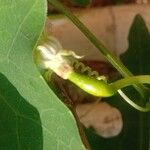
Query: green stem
(129, 101)
(98, 44)
(119, 84)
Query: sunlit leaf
(21, 24)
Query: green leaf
(136, 58)
(21, 24)
(20, 125)
(81, 2)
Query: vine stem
(119, 84)
(129, 101)
(115, 61)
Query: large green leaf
(21, 23)
(136, 58)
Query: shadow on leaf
(20, 124)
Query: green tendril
(117, 85)
(129, 101)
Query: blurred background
(110, 124)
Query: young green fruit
(91, 85)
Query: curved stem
(119, 84)
(129, 101)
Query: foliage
(32, 117)
(136, 58)
(44, 122)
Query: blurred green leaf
(136, 58)
(80, 2)
(22, 22)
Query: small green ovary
(91, 85)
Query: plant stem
(119, 84)
(129, 101)
(115, 61)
